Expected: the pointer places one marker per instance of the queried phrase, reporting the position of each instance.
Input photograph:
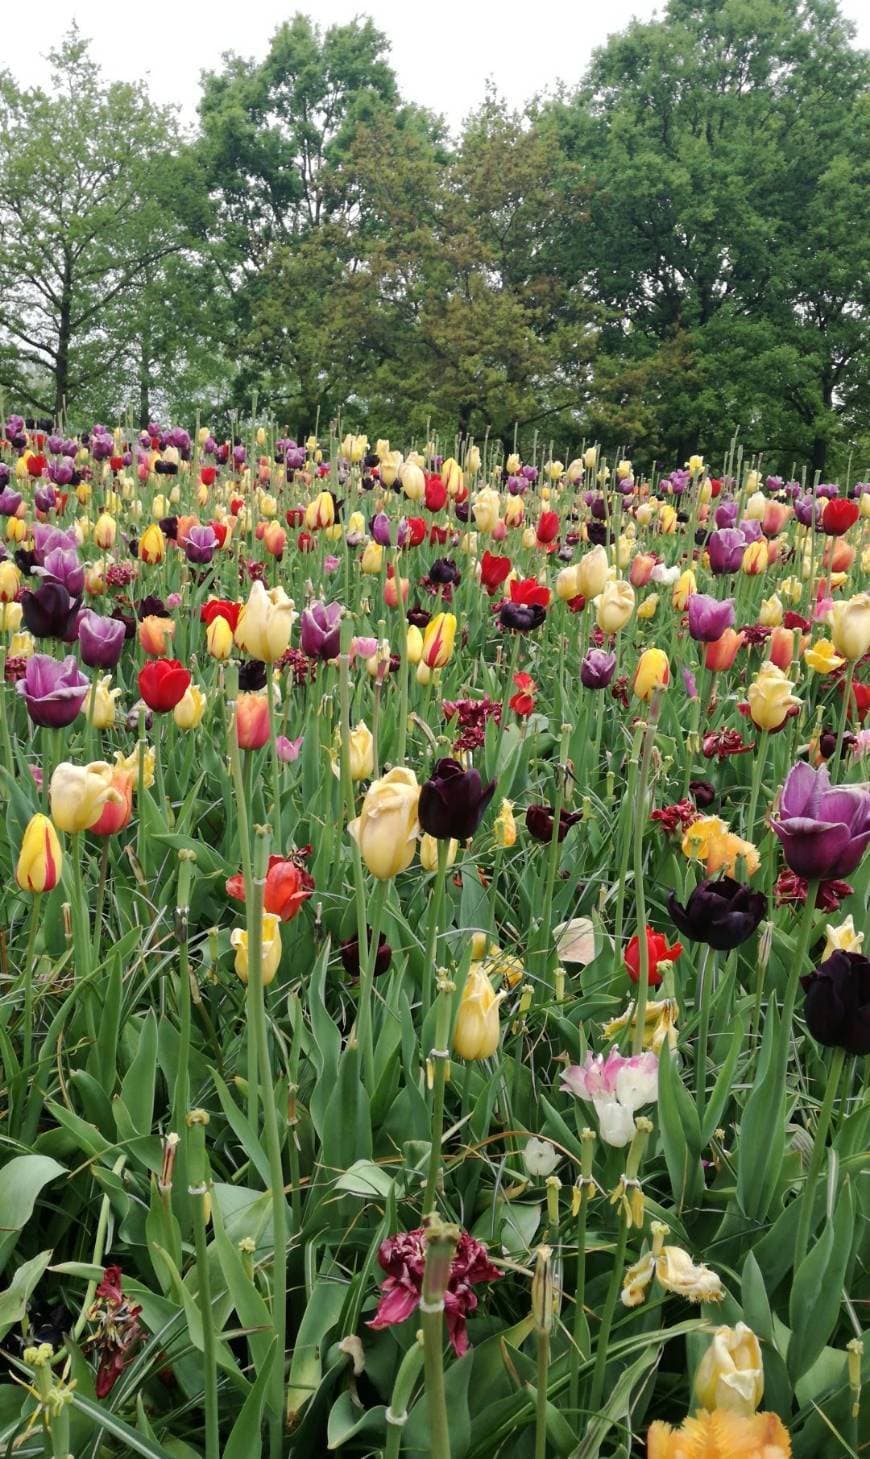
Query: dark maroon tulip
(702, 793)
(597, 668)
(49, 611)
(453, 801)
(723, 914)
(522, 617)
(350, 955)
(320, 633)
(837, 1007)
(540, 822)
(53, 692)
(824, 829)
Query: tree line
(676, 248)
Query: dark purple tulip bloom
(453, 801)
(50, 612)
(522, 617)
(62, 565)
(517, 485)
(100, 640)
(350, 955)
(10, 501)
(709, 617)
(726, 550)
(320, 633)
(597, 669)
(200, 544)
(239, 454)
(540, 821)
(444, 571)
(837, 1007)
(252, 676)
(726, 514)
(53, 692)
(295, 458)
(823, 828)
(720, 913)
(60, 472)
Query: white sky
(443, 51)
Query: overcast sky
(443, 51)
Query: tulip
(53, 692)
(429, 852)
(592, 573)
(162, 684)
(568, 583)
(270, 949)
(264, 624)
(105, 530)
(101, 640)
(709, 618)
(453, 801)
(755, 558)
(658, 952)
(155, 633)
(102, 711)
(50, 612)
(652, 672)
(616, 1087)
(597, 668)
(413, 481)
(10, 580)
(684, 590)
(386, 828)
(486, 508)
(190, 709)
(219, 639)
(725, 549)
(837, 1006)
(11, 617)
(824, 829)
(822, 658)
(614, 606)
(152, 546)
(722, 914)
(540, 821)
(320, 512)
(321, 631)
(505, 826)
(838, 515)
(252, 721)
(477, 1030)
(372, 559)
(40, 859)
(438, 640)
(771, 701)
(77, 794)
(362, 752)
(649, 607)
(116, 813)
(850, 627)
(641, 569)
(843, 938)
(720, 1435)
(770, 613)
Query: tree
(707, 139)
(96, 194)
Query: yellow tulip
(568, 582)
(16, 529)
(77, 794)
(429, 852)
(505, 826)
(387, 827)
(720, 1435)
(731, 1374)
(105, 531)
(770, 697)
(103, 714)
(614, 606)
(477, 1030)
(320, 512)
(653, 672)
(770, 612)
(755, 558)
(850, 626)
(413, 482)
(190, 709)
(40, 859)
(648, 607)
(129, 765)
(372, 559)
(264, 625)
(219, 638)
(438, 639)
(514, 511)
(683, 588)
(11, 615)
(486, 509)
(414, 644)
(756, 506)
(623, 469)
(696, 465)
(10, 580)
(668, 519)
(822, 657)
(843, 938)
(152, 547)
(362, 752)
(23, 644)
(271, 949)
(590, 456)
(592, 573)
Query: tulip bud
(477, 1029)
(252, 721)
(40, 859)
(190, 709)
(731, 1374)
(270, 949)
(387, 826)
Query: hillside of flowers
(434, 1009)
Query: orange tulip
(252, 721)
(155, 634)
(720, 655)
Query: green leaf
(724, 1086)
(320, 1316)
(817, 1289)
(131, 1440)
(21, 1181)
(13, 1302)
(137, 1087)
(681, 1133)
(762, 1129)
(364, 1178)
(245, 1440)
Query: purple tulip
(726, 514)
(690, 683)
(50, 612)
(53, 692)
(55, 445)
(320, 632)
(100, 640)
(774, 484)
(46, 538)
(62, 565)
(597, 669)
(10, 501)
(726, 550)
(60, 472)
(200, 544)
(239, 454)
(751, 529)
(827, 489)
(44, 498)
(806, 508)
(517, 485)
(381, 529)
(823, 828)
(708, 617)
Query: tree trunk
(820, 454)
(145, 375)
(64, 340)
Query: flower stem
(437, 1063)
(844, 717)
(607, 1316)
(441, 1241)
(703, 1004)
(757, 771)
(198, 1190)
(544, 957)
(640, 817)
(804, 938)
(436, 902)
(403, 1387)
(542, 1382)
(807, 1198)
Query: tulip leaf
(762, 1128)
(13, 1302)
(21, 1181)
(817, 1289)
(681, 1135)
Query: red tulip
(657, 952)
(287, 887)
(523, 702)
(839, 515)
(220, 608)
(435, 497)
(548, 527)
(416, 531)
(493, 571)
(163, 684)
(530, 591)
(207, 475)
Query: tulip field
(434, 1007)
